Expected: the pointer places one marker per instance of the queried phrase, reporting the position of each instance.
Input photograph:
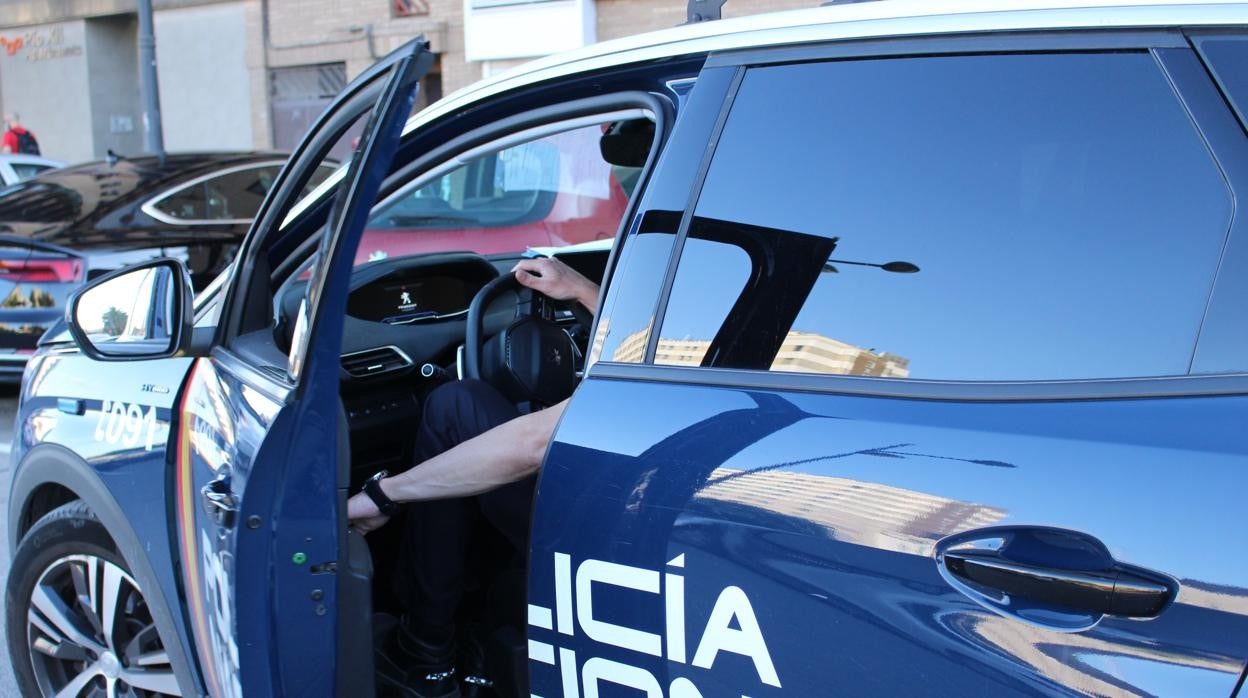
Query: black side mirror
(138, 313)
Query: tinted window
(555, 190)
(1227, 58)
(234, 196)
(231, 196)
(26, 170)
(39, 202)
(1016, 217)
(628, 311)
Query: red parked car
(546, 190)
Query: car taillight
(63, 270)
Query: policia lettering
(732, 627)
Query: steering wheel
(533, 360)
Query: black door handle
(219, 502)
(1114, 591)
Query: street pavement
(8, 407)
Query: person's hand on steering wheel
(557, 281)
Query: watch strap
(372, 488)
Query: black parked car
(70, 225)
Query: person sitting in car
(475, 453)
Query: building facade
(253, 74)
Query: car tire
(67, 583)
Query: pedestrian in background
(17, 139)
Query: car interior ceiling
(382, 411)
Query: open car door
(259, 496)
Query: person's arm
(510, 451)
(557, 280)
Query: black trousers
(433, 555)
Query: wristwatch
(372, 488)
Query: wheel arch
(50, 472)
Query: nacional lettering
(732, 628)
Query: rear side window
(28, 170)
(234, 195)
(971, 218)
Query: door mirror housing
(138, 313)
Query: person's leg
(429, 575)
(510, 509)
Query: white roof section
(862, 20)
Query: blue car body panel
(826, 510)
(105, 441)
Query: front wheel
(77, 622)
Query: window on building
(981, 218)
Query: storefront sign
(39, 45)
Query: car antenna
(704, 10)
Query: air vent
(374, 362)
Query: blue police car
(921, 368)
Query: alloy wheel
(90, 633)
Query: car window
(27, 170)
(232, 196)
(39, 202)
(551, 191)
(987, 218)
(1227, 58)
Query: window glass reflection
(628, 316)
(1019, 217)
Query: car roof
(155, 169)
(53, 202)
(843, 22)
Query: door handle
(1057, 578)
(219, 502)
(1114, 592)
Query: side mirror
(138, 313)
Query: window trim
(149, 206)
(918, 389)
(1035, 41)
(1165, 46)
(686, 217)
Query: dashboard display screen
(398, 301)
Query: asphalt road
(8, 407)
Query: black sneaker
(407, 668)
(473, 683)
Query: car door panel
(825, 512)
(217, 448)
(258, 483)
